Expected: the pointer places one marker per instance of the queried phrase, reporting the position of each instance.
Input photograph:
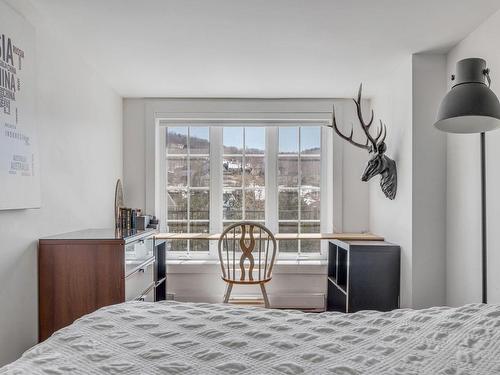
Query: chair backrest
(247, 243)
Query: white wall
(463, 185)
(393, 219)
(416, 219)
(355, 193)
(80, 141)
(428, 182)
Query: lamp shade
(470, 106)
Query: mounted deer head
(379, 162)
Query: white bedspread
(185, 338)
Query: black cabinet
(363, 275)
(160, 247)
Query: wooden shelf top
(278, 236)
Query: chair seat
(246, 282)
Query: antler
(382, 132)
(347, 138)
(365, 126)
(383, 129)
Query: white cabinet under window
(215, 174)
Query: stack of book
(127, 219)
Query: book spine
(123, 217)
(133, 221)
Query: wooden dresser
(80, 272)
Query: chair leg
(264, 294)
(227, 293)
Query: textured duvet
(188, 338)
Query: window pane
(288, 174)
(232, 170)
(310, 170)
(234, 231)
(177, 140)
(200, 172)
(233, 140)
(310, 140)
(310, 246)
(198, 227)
(255, 140)
(177, 205)
(232, 204)
(254, 171)
(288, 207)
(177, 172)
(309, 227)
(177, 245)
(288, 140)
(287, 246)
(199, 140)
(309, 204)
(199, 245)
(199, 205)
(255, 204)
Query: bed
(194, 338)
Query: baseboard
(313, 301)
(302, 301)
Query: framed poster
(19, 164)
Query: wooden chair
(255, 246)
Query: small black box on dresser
(363, 275)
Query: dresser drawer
(148, 295)
(140, 250)
(137, 283)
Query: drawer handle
(141, 270)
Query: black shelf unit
(363, 275)
(160, 249)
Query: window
(188, 184)
(299, 171)
(243, 167)
(216, 175)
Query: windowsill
(300, 266)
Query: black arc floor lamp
(471, 107)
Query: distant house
(231, 165)
(178, 146)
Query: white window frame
(323, 187)
(271, 162)
(189, 188)
(244, 156)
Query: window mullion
(326, 185)
(243, 185)
(271, 178)
(216, 182)
(299, 190)
(163, 178)
(188, 187)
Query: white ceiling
(257, 48)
